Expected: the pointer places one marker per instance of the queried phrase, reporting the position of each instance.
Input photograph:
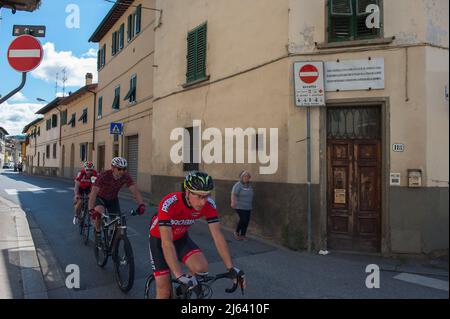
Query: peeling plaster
(306, 41)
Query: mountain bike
(113, 241)
(203, 289)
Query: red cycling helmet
(88, 165)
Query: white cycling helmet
(119, 162)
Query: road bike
(84, 222)
(203, 289)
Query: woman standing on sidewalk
(241, 200)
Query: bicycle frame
(119, 223)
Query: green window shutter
(191, 57)
(340, 20)
(361, 16)
(64, 117)
(113, 44)
(138, 18)
(104, 55)
(98, 59)
(121, 36)
(130, 27)
(116, 102)
(54, 120)
(100, 107)
(201, 52)
(196, 54)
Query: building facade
(125, 87)
(3, 134)
(237, 71)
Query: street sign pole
(308, 164)
(10, 94)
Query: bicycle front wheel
(101, 254)
(123, 263)
(86, 221)
(150, 288)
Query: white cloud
(76, 67)
(14, 116)
(92, 53)
(18, 97)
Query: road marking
(11, 191)
(61, 191)
(423, 281)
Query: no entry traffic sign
(309, 84)
(309, 73)
(25, 53)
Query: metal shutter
(132, 158)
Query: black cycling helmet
(199, 183)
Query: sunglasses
(120, 169)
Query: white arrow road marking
(423, 281)
(25, 53)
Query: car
(5, 166)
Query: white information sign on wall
(353, 75)
(309, 84)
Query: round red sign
(309, 74)
(25, 53)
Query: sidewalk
(20, 272)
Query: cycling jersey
(84, 179)
(109, 186)
(173, 211)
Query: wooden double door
(354, 179)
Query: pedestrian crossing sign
(115, 128)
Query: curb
(32, 279)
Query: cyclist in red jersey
(169, 241)
(106, 189)
(83, 183)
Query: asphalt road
(272, 271)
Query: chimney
(88, 78)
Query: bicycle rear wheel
(86, 221)
(123, 263)
(101, 254)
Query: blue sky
(63, 47)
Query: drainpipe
(94, 120)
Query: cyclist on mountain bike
(170, 241)
(83, 183)
(105, 192)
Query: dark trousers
(244, 220)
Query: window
(190, 166)
(116, 102)
(131, 95)
(54, 150)
(72, 120)
(130, 31)
(83, 116)
(138, 19)
(54, 120)
(347, 20)
(64, 117)
(121, 36)
(38, 131)
(103, 55)
(47, 153)
(114, 47)
(48, 124)
(196, 54)
(83, 152)
(100, 107)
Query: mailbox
(414, 178)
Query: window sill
(354, 43)
(186, 85)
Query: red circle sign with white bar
(309, 84)
(25, 53)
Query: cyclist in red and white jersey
(83, 183)
(169, 241)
